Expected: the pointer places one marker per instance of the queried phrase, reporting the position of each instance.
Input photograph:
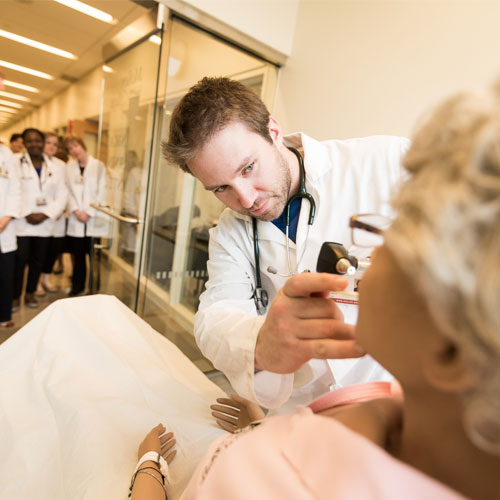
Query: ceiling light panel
(24, 69)
(37, 45)
(11, 104)
(20, 86)
(14, 96)
(88, 10)
(3, 109)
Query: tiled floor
(112, 282)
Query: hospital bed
(80, 386)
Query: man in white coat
(222, 133)
(86, 180)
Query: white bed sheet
(80, 386)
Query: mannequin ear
(275, 131)
(447, 369)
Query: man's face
(17, 145)
(244, 171)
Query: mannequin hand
(159, 442)
(36, 218)
(236, 413)
(4, 222)
(82, 216)
(303, 324)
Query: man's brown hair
(208, 107)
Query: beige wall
(271, 22)
(369, 67)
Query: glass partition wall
(158, 261)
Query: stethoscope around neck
(260, 296)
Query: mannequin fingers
(225, 409)
(222, 416)
(227, 426)
(231, 401)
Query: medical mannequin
(238, 151)
(44, 198)
(429, 313)
(10, 208)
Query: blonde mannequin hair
(447, 235)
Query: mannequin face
(394, 324)
(244, 171)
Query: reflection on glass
(182, 210)
(129, 105)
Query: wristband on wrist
(155, 457)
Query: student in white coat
(56, 242)
(86, 179)
(44, 198)
(10, 208)
(222, 133)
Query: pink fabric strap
(351, 394)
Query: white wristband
(155, 457)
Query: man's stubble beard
(282, 190)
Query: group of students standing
(45, 209)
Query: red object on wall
(70, 126)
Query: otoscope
(334, 259)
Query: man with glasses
(222, 133)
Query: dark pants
(31, 250)
(79, 247)
(6, 282)
(54, 249)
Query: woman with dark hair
(44, 198)
(56, 241)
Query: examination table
(81, 385)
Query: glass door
(181, 211)
(129, 110)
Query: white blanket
(80, 386)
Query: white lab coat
(60, 224)
(345, 178)
(10, 198)
(49, 189)
(84, 190)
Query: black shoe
(73, 293)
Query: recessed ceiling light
(24, 69)
(107, 69)
(87, 9)
(155, 39)
(14, 96)
(11, 104)
(7, 110)
(21, 86)
(37, 45)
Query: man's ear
(447, 369)
(275, 131)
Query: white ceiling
(59, 26)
